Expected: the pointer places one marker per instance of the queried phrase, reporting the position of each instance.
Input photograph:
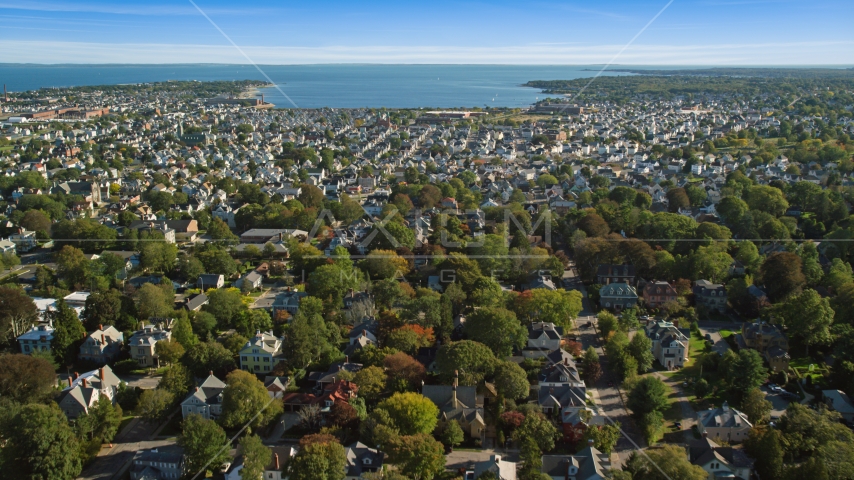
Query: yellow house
(262, 353)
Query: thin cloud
(149, 9)
(770, 53)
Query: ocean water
(336, 86)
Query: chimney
(454, 389)
(103, 342)
(69, 381)
(590, 442)
(210, 372)
(346, 358)
(85, 383)
(101, 373)
(566, 361)
(276, 459)
(705, 434)
(100, 327)
(197, 389)
(76, 375)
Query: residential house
(362, 459)
(251, 280)
(276, 386)
(657, 293)
(24, 240)
(669, 344)
(720, 462)
(502, 469)
(618, 296)
(37, 339)
(185, 230)
(543, 338)
(275, 470)
(723, 423)
(206, 400)
(768, 340)
(322, 379)
(711, 296)
(587, 464)
(102, 345)
(210, 280)
(262, 353)
(162, 463)
(196, 302)
(288, 301)
(83, 391)
(342, 390)
(460, 404)
(607, 274)
(564, 398)
(840, 402)
(142, 345)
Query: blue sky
(687, 32)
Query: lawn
(125, 421)
(693, 371)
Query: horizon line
(672, 65)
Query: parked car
(708, 337)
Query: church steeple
(180, 129)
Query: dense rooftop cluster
(384, 285)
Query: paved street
(607, 398)
(110, 461)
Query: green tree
(419, 456)
(669, 462)
(152, 301)
(371, 381)
(472, 360)
(182, 332)
(17, 313)
(498, 329)
(177, 380)
(101, 422)
(243, 398)
(640, 348)
(765, 446)
(71, 266)
(452, 435)
(808, 317)
(538, 429)
(226, 305)
(556, 306)
(205, 445)
(590, 366)
(25, 378)
(169, 351)
(755, 406)
(782, 275)
(648, 395)
(103, 308)
(256, 456)
(205, 357)
(744, 371)
(766, 199)
(68, 333)
(511, 381)
(412, 413)
(604, 437)
(155, 404)
(40, 444)
(316, 461)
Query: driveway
(719, 345)
(689, 416)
